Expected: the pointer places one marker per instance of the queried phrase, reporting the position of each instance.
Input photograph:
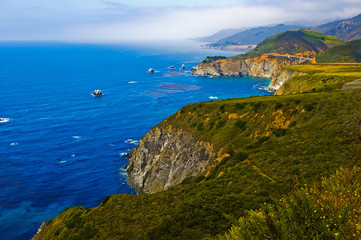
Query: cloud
(115, 20)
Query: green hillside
(320, 78)
(294, 42)
(349, 52)
(275, 144)
(326, 210)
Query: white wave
(4, 120)
(76, 137)
(123, 154)
(62, 161)
(213, 97)
(132, 82)
(131, 141)
(73, 155)
(14, 144)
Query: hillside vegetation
(320, 77)
(349, 52)
(305, 43)
(268, 146)
(326, 210)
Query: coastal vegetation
(349, 52)
(268, 146)
(326, 210)
(212, 59)
(319, 78)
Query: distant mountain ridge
(250, 38)
(220, 35)
(256, 35)
(347, 30)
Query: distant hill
(305, 43)
(349, 29)
(348, 52)
(249, 38)
(255, 35)
(220, 35)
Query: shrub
(310, 106)
(280, 132)
(240, 105)
(200, 126)
(241, 124)
(330, 210)
(221, 124)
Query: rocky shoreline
(267, 65)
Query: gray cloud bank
(114, 20)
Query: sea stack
(97, 92)
(183, 66)
(151, 70)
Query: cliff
(270, 56)
(165, 157)
(281, 78)
(267, 65)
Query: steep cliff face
(165, 157)
(278, 81)
(268, 65)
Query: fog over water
(119, 20)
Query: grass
(274, 143)
(348, 52)
(320, 78)
(326, 210)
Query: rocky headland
(268, 66)
(166, 156)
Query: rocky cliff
(267, 65)
(282, 76)
(165, 157)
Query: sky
(143, 20)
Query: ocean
(62, 147)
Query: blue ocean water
(60, 146)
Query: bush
(280, 132)
(221, 124)
(240, 105)
(241, 124)
(330, 210)
(310, 106)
